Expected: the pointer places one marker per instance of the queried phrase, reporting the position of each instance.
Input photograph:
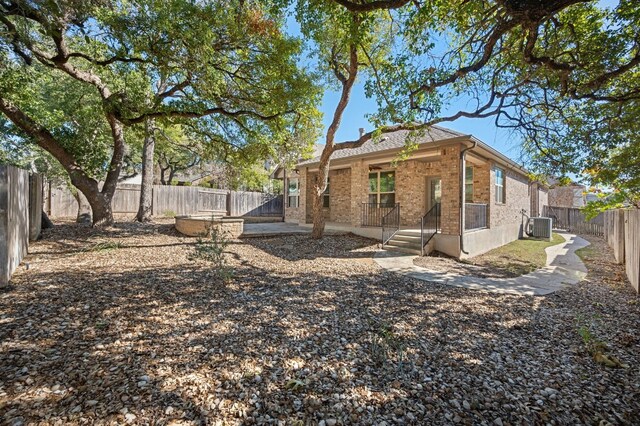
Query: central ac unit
(540, 227)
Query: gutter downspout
(462, 192)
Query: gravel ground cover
(122, 327)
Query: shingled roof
(390, 141)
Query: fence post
(35, 206)
(228, 202)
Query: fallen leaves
(140, 334)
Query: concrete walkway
(563, 268)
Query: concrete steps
(408, 241)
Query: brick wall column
(359, 190)
(450, 207)
(410, 191)
(303, 208)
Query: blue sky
(359, 106)
(354, 118)
(504, 140)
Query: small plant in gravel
(385, 342)
(104, 246)
(211, 247)
(596, 347)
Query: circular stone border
(199, 225)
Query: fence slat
(632, 247)
(176, 200)
(573, 220)
(20, 214)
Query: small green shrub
(211, 247)
(104, 246)
(169, 213)
(385, 343)
(596, 347)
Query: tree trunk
(146, 189)
(46, 222)
(101, 207)
(100, 201)
(318, 217)
(84, 208)
(318, 193)
(329, 146)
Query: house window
(382, 188)
(325, 196)
(499, 185)
(293, 192)
(468, 184)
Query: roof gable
(390, 141)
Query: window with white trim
(468, 184)
(500, 180)
(325, 195)
(293, 192)
(382, 188)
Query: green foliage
(597, 348)
(210, 247)
(571, 87)
(223, 73)
(104, 246)
(385, 344)
(251, 178)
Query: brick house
(454, 187)
(571, 195)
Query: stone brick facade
(450, 174)
(567, 196)
(359, 190)
(411, 188)
(340, 196)
(516, 198)
(349, 189)
(339, 209)
(481, 183)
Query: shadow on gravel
(155, 345)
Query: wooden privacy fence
(20, 216)
(573, 220)
(622, 232)
(175, 200)
(254, 204)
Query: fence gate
(573, 220)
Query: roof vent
(361, 131)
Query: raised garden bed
(197, 225)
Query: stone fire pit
(197, 225)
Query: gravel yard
(122, 327)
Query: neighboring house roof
(555, 182)
(390, 141)
(133, 180)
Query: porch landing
(331, 228)
(564, 268)
(286, 228)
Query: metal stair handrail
(390, 224)
(427, 230)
